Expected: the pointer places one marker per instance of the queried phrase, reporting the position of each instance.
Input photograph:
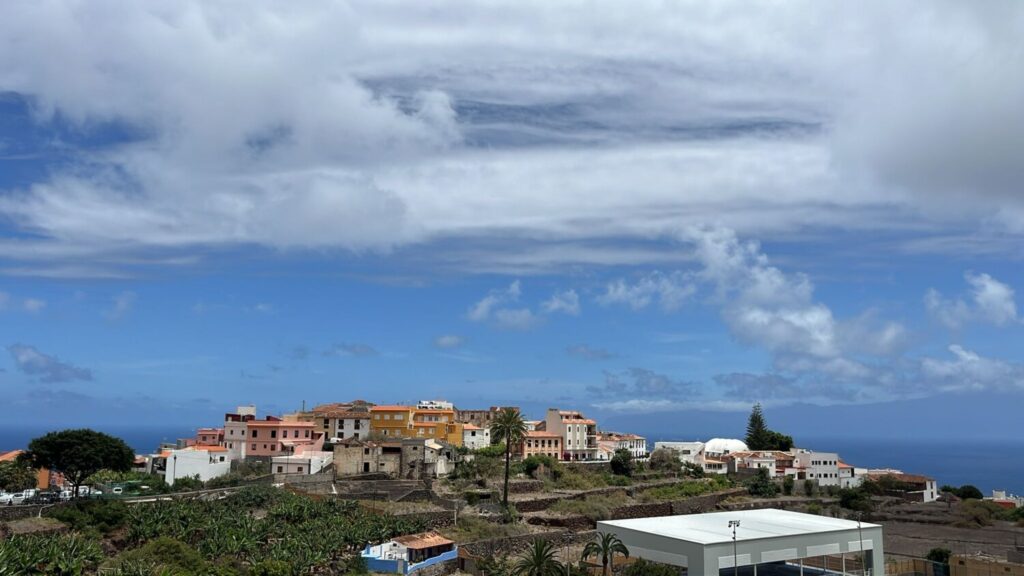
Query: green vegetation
(606, 547)
(16, 476)
(684, 489)
(56, 555)
(472, 528)
(258, 530)
(858, 499)
(78, 454)
(973, 513)
(762, 485)
(759, 437)
(539, 560)
(664, 459)
(592, 507)
(787, 485)
(508, 427)
(939, 555)
(645, 568)
(965, 492)
(622, 462)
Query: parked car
(20, 497)
(5, 498)
(43, 498)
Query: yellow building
(411, 422)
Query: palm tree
(605, 548)
(508, 427)
(539, 560)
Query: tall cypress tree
(758, 435)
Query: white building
(236, 426)
(475, 437)
(635, 444)
(435, 405)
(753, 460)
(710, 455)
(205, 463)
(719, 447)
(579, 433)
(821, 467)
(688, 452)
(715, 543)
(303, 463)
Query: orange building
(44, 478)
(412, 422)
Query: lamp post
(860, 534)
(734, 524)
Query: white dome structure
(720, 446)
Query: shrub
(535, 461)
(814, 508)
(810, 488)
(61, 555)
(164, 552)
(646, 568)
(678, 491)
(622, 462)
(855, 499)
(594, 507)
(787, 485)
(664, 459)
(762, 485)
(939, 555)
(974, 513)
(272, 568)
(104, 516)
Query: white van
(20, 497)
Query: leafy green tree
(969, 492)
(762, 485)
(939, 555)
(78, 454)
(605, 548)
(787, 485)
(693, 470)
(16, 476)
(855, 499)
(757, 430)
(810, 488)
(538, 560)
(508, 427)
(779, 441)
(664, 459)
(622, 462)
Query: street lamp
(863, 557)
(734, 524)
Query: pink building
(276, 437)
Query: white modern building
(309, 462)
(821, 467)
(719, 447)
(205, 463)
(691, 452)
(474, 437)
(707, 544)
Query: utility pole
(734, 524)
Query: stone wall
(525, 486)
(538, 504)
(433, 520)
(706, 502)
(516, 544)
(439, 569)
(8, 513)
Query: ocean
(987, 464)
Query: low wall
(8, 513)
(433, 520)
(525, 486)
(515, 544)
(704, 502)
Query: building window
(307, 433)
(253, 446)
(300, 468)
(254, 433)
(273, 433)
(327, 423)
(273, 447)
(280, 469)
(264, 446)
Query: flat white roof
(713, 528)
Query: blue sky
(657, 216)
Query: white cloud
(33, 305)
(369, 125)
(482, 309)
(567, 302)
(516, 318)
(990, 301)
(670, 291)
(123, 304)
(448, 341)
(971, 371)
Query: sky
(656, 213)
